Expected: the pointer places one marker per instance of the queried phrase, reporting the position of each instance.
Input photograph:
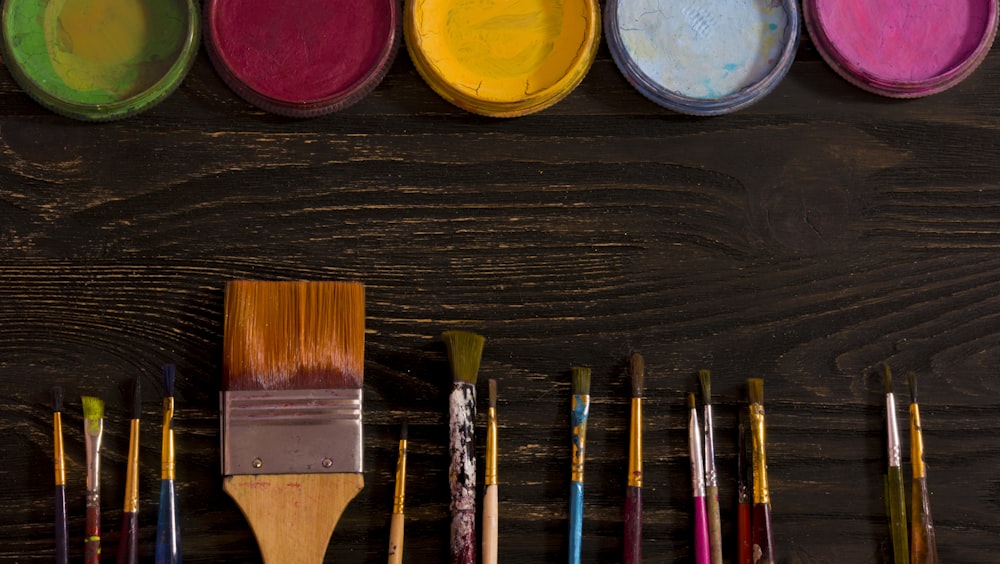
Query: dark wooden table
(806, 240)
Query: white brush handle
(490, 518)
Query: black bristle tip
(912, 378)
(755, 390)
(136, 398)
(493, 393)
(691, 401)
(404, 429)
(57, 398)
(169, 372)
(465, 350)
(705, 378)
(637, 374)
(581, 380)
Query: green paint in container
(99, 60)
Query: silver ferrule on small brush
(711, 475)
(697, 465)
(93, 436)
(895, 455)
(291, 431)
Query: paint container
(703, 57)
(302, 58)
(502, 58)
(99, 60)
(902, 48)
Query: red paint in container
(902, 48)
(302, 58)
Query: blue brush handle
(575, 521)
(168, 541)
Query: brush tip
(637, 374)
(93, 407)
(169, 373)
(493, 393)
(912, 378)
(57, 398)
(404, 429)
(755, 388)
(887, 378)
(581, 380)
(134, 397)
(465, 350)
(691, 401)
(705, 377)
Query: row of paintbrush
(167, 531)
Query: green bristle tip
(93, 408)
(465, 349)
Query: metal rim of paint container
(446, 87)
(667, 95)
(873, 80)
(245, 62)
(38, 79)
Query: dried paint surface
(462, 473)
(703, 49)
(904, 40)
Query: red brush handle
(744, 554)
(128, 546)
(633, 525)
(92, 538)
(763, 537)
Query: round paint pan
(99, 60)
(502, 58)
(902, 48)
(302, 58)
(703, 57)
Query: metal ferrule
(399, 500)
(291, 431)
(761, 493)
(711, 476)
(93, 435)
(697, 465)
(916, 443)
(132, 469)
(491, 448)
(580, 413)
(635, 442)
(59, 455)
(895, 456)
(167, 457)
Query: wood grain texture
(806, 239)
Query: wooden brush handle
(763, 535)
(62, 529)
(396, 539)
(128, 545)
(897, 515)
(293, 515)
(490, 524)
(633, 525)
(744, 555)
(714, 523)
(92, 538)
(923, 547)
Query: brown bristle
(293, 335)
(755, 388)
(887, 376)
(581, 380)
(705, 377)
(493, 393)
(691, 402)
(637, 373)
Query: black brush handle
(62, 529)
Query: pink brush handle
(702, 550)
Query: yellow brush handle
(293, 515)
(490, 519)
(396, 539)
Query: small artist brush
(465, 350)
(168, 550)
(711, 474)
(894, 478)
(398, 501)
(702, 548)
(744, 554)
(923, 546)
(128, 545)
(491, 508)
(61, 525)
(578, 419)
(633, 493)
(762, 535)
(93, 431)
(293, 374)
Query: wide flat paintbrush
(293, 369)
(59, 458)
(93, 432)
(895, 498)
(711, 475)
(923, 546)
(491, 503)
(399, 500)
(578, 419)
(702, 547)
(465, 350)
(128, 545)
(168, 541)
(633, 493)
(762, 533)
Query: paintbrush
(168, 549)
(128, 544)
(464, 352)
(578, 419)
(633, 493)
(491, 508)
(711, 475)
(93, 432)
(399, 501)
(743, 499)
(702, 548)
(59, 458)
(923, 546)
(762, 535)
(894, 478)
(293, 369)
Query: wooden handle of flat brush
(633, 525)
(763, 535)
(396, 539)
(490, 524)
(743, 553)
(293, 515)
(897, 515)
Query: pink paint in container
(902, 48)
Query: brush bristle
(493, 393)
(637, 374)
(93, 408)
(912, 377)
(465, 349)
(57, 398)
(134, 398)
(581, 380)
(755, 388)
(169, 373)
(293, 335)
(705, 377)
(404, 429)
(691, 401)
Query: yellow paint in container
(502, 58)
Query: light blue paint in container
(703, 57)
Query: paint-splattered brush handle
(763, 535)
(923, 546)
(462, 473)
(575, 521)
(167, 529)
(62, 528)
(743, 534)
(92, 533)
(702, 547)
(128, 546)
(633, 525)
(897, 515)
